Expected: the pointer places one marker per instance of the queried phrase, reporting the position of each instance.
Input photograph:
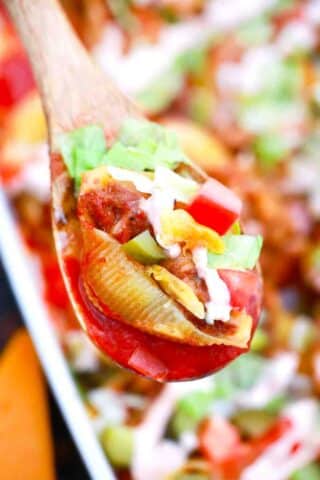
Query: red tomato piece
(16, 79)
(245, 289)
(292, 14)
(228, 455)
(218, 438)
(215, 206)
(221, 444)
(147, 364)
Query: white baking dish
(20, 268)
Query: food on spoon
(163, 267)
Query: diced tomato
(147, 364)
(292, 14)
(130, 347)
(245, 289)
(16, 79)
(215, 206)
(276, 431)
(218, 438)
(228, 455)
(221, 444)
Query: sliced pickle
(126, 289)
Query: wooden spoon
(74, 93)
(73, 89)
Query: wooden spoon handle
(73, 90)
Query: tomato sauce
(146, 354)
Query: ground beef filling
(116, 210)
(184, 268)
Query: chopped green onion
(144, 249)
(192, 60)
(200, 105)
(118, 442)
(190, 410)
(259, 341)
(277, 404)
(256, 31)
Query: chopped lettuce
(309, 472)
(161, 92)
(277, 404)
(141, 146)
(118, 442)
(282, 5)
(190, 410)
(144, 145)
(255, 31)
(241, 252)
(164, 89)
(193, 60)
(201, 105)
(278, 98)
(270, 148)
(135, 132)
(82, 150)
(193, 407)
(242, 374)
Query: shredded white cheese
(154, 207)
(167, 187)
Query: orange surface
(26, 451)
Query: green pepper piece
(118, 443)
(144, 249)
(260, 340)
